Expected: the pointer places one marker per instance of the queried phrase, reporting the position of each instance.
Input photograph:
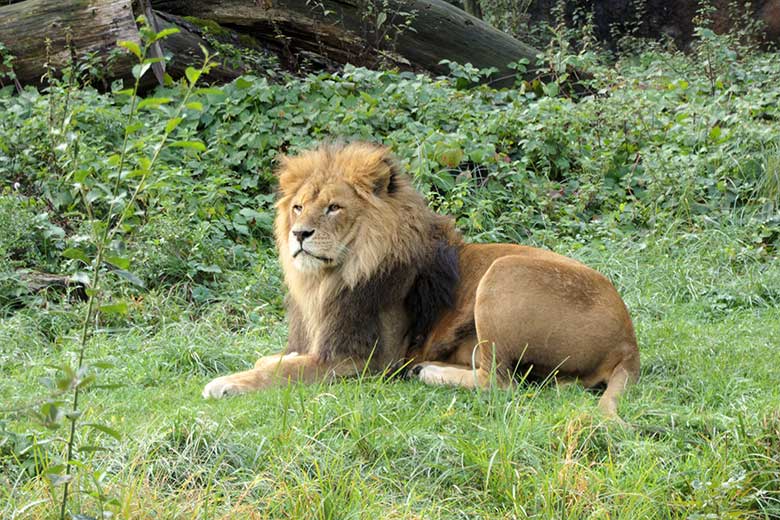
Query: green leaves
(171, 125)
(118, 261)
(131, 46)
(192, 75)
(141, 69)
(153, 102)
(242, 83)
(104, 429)
(192, 145)
(114, 308)
(164, 34)
(76, 254)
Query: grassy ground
(667, 181)
(702, 437)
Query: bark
(77, 27)
(185, 46)
(659, 19)
(351, 31)
(71, 28)
(36, 281)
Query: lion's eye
(333, 208)
(297, 209)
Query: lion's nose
(303, 234)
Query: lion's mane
(403, 252)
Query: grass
(702, 439)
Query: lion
(376, 278)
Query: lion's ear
(290, 173)
(389, 183)
(377, 170)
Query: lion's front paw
(426, 373)
(221, 387)
(438, 374)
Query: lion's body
(375, 277)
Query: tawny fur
(375, 277)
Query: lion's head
(347, 211)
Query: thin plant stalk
(107, 233)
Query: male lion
(375, 277)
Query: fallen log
(185, 48)
(347, 32)
(37, 281)
(52, 33)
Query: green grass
(665, 184)
(702, 436)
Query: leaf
(152, 61)
(213, 91)
(130, 277)
(715, 133)
(451, 157)
(79, 176)
(66, 380)
(130, 46)
(165, 33)
(114, 308)
(105, 429)
(140, 69)
(118, 261)
(84, 381)
(172, 124)
(58, 480)
(133, 128)
(52, 414)
(138, 172)
(242, 83)
(192, 74)
(195, 105)
(153, 102)
(76, 254)
(145, 163)
(195, 145)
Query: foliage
(665, 177)
(107, 188)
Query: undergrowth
(663, 175)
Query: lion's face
(322, 224)
(336, 209)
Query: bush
(665, 140)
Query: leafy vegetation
(663, 174)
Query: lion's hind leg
(625, 373)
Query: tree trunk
(656, 19)
(362, 33)
(185, 48)
(72, 28)
(77, 27)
